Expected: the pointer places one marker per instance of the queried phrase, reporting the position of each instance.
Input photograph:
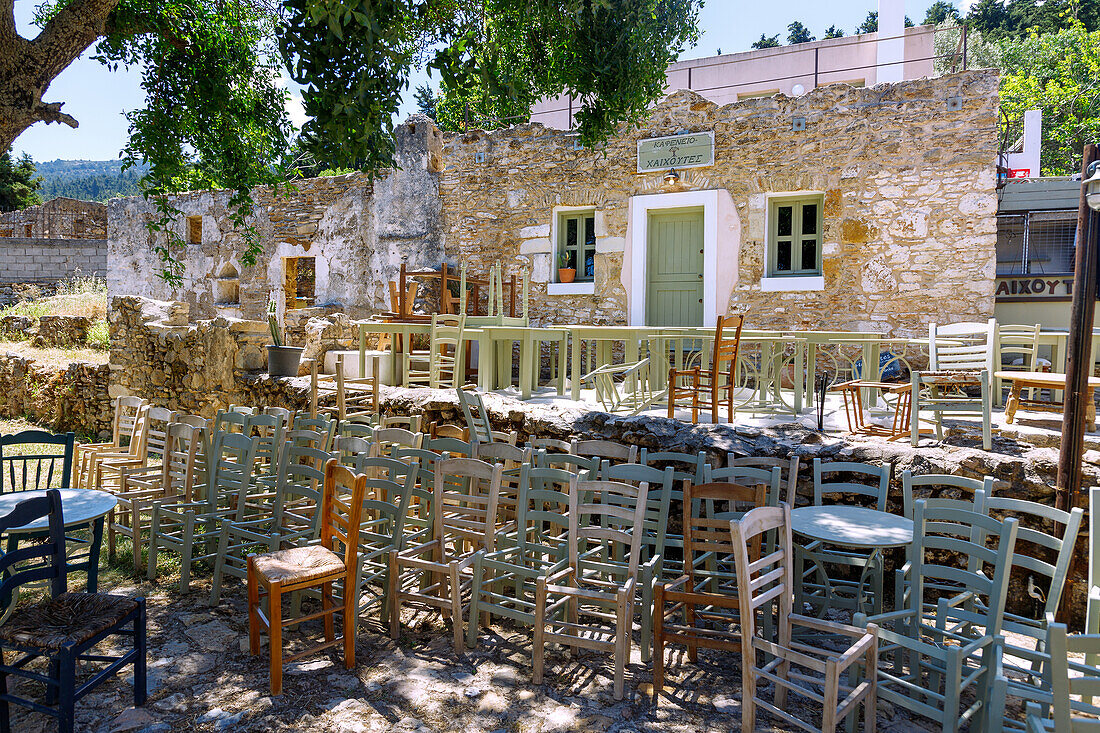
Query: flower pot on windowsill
(566, 274)
(282, 361)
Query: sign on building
(691, 150)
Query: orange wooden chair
(714, 386)
(310, 566)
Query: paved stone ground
(201, 678)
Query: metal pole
(964, 46)
(1078, 348)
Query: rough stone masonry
(907, 180)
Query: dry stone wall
(74, 398)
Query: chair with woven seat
(821, 672)
(35, 460)
(704, 597)
(64, 628)
(274, 574)
(711, 388)
(960, 357)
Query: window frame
(194, 225)
(582, 215)
(796, 200)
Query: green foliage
(940, 11)
(98, 336)
(1057, 73)
(426, 100)
(766, 41)
(1016, 19)
(833, 32)
(869, 24)
(497, 57)
(89, 180)
(798, 33)
(19, 185)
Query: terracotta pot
(566, 274)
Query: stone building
(846, 208)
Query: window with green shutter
(577, 243)
(794, 236)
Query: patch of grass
(80, 296)
(98, 336)
(54, 357)
(32, 308)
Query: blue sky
(98, 98)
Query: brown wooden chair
(311, 566)
(127, 410)
(765, 585)
(714, 386)
(705, 596)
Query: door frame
(640, 207)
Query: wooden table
(1039, 381)
(80, 507)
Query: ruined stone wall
(908, 184)
(74, 398)
(59, 218)
(359, 231)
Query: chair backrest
(510, 455)
(125, 417)
(39, 560)
(357, 426)
(465, 502)
(550, 445)
(195, 421)
(607, 516)
(268, 431)
(181, 460)
(967, 346)
(246, 410)
(688, 467)
(1018, 343)
(568, 462)
(768, 580)
(1035, 548)
(299, 483)
(321, 425)
(385, 439)
(477, 417)
(940, 488)
(604, 450)
(230, 421)
(232, 462)
(409, 422)
(454, 446)
(349, 447)
(790, 466)
(770, 478)
(1076, 714)
(380, 467)
(541, 512)
(446, 430)
(35, 459)
(447, 335)
(309, 439)
(727, 343)
(877, 488)
(156, 432)
(661, 490)
(280, 412)
(340, 516)
(707, 534)
(939, 535)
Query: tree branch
(7, 21)
(51, 112)
(69, 33)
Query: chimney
(891, 52)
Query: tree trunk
(27, 67)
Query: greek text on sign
(693, 150)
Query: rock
(727, 705)
(315, 665)
(213, 636)
(132, 719)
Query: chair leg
(5, 722)
(456, 608)
(328, 603)
(141, 688)
(647, 618)
(275, 638)
(66, 706)
(253, 609)
(219, 565)
(135, 529)
(151, 561)
(475, 593)
(539, 641)
(185, 552)
(394, 597)
(658, 639)
(351, 618)
(622, 643)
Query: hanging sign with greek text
(691, 150)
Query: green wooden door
(674, 268)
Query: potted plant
(282, 360)
(565, 272)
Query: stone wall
(75, 398)
(26, 260)
(59, 218)
(909, 201)
(358, 230)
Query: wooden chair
(820, 565)
(568, 462)
(438, 367)
(605, 450)
(291, 518)
(125, 417)
(1072, 708)
(464, 517)
(1092, 603)
(960, 356)
(713, 387)
(109, 467)
(477, 419)
(505, 579)
(35, 459)
(1017, 351)
(191, 528)
(274, 574)
(320, 425)
(704, 597)
(790, 466)
(173, 479)
(628, 388)
(386, 439)
(64, 628)
(452, 446)
(821, 673)
(949, 657)
(771, 478)
(550, 445)
(605, 522)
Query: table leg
(1014, 403)
(485, 364)
(525, 358)
(811, 374)
(93, 555)
(799, 377)
(562, 346)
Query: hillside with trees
(90, 180)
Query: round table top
(78, 506)
(852, 526)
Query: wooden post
(1078, 348)
(313, 388)
(341, 404)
